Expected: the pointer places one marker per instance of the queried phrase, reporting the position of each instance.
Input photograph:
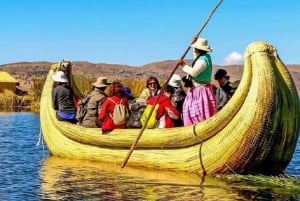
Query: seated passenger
(63, 98)
(66, 66)
(89, 107)
(166, 113)
(178, 97)
(152, 88)
(225, 89)
(127, 92)
(136, 108)
(117, 95)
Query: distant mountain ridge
(24, 71)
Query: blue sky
(138, 32)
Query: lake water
(27, 172)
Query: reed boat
(255, 133)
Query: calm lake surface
(27, 172)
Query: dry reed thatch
(251, 134)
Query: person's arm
(222, 98)
(227, 87)
(145, 94)
(54, 99)
(198, 68)
(100, 103)
(103, 112)
(171, 111)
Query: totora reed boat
(255, 133)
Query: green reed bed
(10, 102)
(283, 184)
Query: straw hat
(202, 44)
(59, 76)
(175, 81)
(101, 82)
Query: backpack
(152, 117)
(136, 107)
(120, 113)
(82, 110)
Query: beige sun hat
(101, 82)
(202, 44)
(175, 81)
(59, 76)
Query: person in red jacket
(105, 114)
(166, 113)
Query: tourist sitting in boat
(63, 98)
(127, 91)
(89, 107)
(178, 97)
(66, 66)
(152, 88)
(136, 107)
(166, 113)
(200, 102)
(225, 88)
(117, 95)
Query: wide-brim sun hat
(101, 82)
(175, 81)
(202, 44)
(59, 76)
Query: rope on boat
(41, 139)
(202, 143)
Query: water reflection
(27, 175)
(66, 179)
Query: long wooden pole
(165, 84)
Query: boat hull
(256, 131)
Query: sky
(139, 32)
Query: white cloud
(233, 58)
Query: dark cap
(127, 91)
(220, 74)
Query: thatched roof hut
(7, 82)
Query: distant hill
(24, 71)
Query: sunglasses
(152, 83)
